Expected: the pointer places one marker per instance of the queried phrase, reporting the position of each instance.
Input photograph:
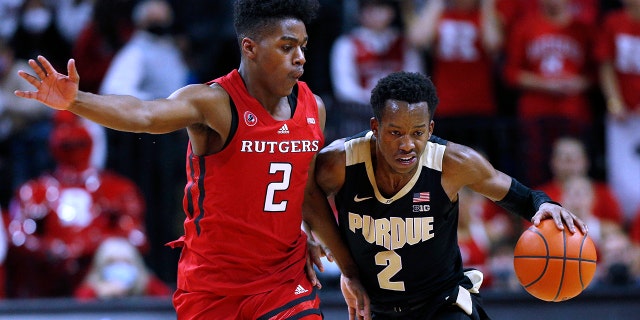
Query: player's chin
(285, 87)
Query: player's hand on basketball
(356, 298)
(54, 89)
(561, 217)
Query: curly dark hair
(254, 17)
(411, 87)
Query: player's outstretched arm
(192, 104)
(467, 167)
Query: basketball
(554, 265)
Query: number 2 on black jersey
(393, 261)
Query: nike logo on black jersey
(356, 199)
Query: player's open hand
(356, 298)
(560, 215)
(54, 89)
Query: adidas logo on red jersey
(284, 129)
(300, 290)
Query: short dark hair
(252, 17)
(411, 87)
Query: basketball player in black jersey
(396, 192)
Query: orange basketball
(554, 265)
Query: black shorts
(442, 307)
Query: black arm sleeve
(523, 201)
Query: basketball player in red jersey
(253, 136)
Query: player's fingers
(559, 223)
(581, 224)
(352, 313)
(30, 78)
(25, 94)
(72, 71)
(366, 310)
(316, 254)
(361, 305)
(311, 274)
(328, 254)
(568, 219)
(37, 69)
(48, 68)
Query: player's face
(402, 135)
(280, 55)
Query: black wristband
(523, 201)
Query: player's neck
(269, 101)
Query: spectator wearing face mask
(37, 33)
(150, 65)
(117, 271)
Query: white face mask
(122, 272)
(36, 20)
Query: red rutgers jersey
(243, 204)
(461, 61)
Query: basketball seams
(564, 264)
(584, 239)
(546, 264)
(554, 272)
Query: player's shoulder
(200, 91)
(457, 155)
(206, 98)
(332, 152)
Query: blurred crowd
(548, 90)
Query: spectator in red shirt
(463, 40)
(569, 159)
(618, 52)
(548, 60)
(361, 56)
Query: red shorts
(293, 299)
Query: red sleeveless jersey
(244, 203)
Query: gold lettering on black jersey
(392, 233)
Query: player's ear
(432, 124)
(248, 47)
(373, 123)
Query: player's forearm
(326, 230)
(318, 217)
(118, 112)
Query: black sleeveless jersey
(406, 245)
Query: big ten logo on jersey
(392, 233)
(419, 199)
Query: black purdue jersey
(405, 245)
